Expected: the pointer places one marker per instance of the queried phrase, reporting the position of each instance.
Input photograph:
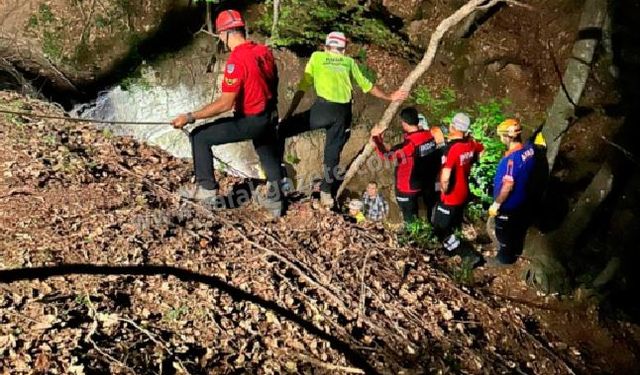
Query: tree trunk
(575, 76)
(549, 252)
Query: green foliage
(475, 211)
(45, 13)
(83, 299)
(462, 273)
(418, 233)
(308, 28)
(361, 60)
(102, 22)
(107, 133)
(175, 314)
(292, 159)
(438, 106)
(33, 22)
(43, 24)
(486, 117)
(51, 45)
(136, 79)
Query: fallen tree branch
(444, 26)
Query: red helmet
(228, 19)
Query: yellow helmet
(509, 127)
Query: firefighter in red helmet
(249, 87)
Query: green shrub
(486, 116)
(361, 59)
(418, 233)
(463, 273)
(437, 106)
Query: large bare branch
(444, 26)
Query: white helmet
(461, 122)
(336, 39)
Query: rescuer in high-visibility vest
(331, 74)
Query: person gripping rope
(459, 156)
(416, 155)
(511, 189)
(331, 74)
(249, 87)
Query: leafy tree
(308, 28)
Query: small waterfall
(155, 103)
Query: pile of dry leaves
(204, 291)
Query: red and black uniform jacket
(417, 161)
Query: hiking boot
(198, 193)
(286, 186)
(326, 199)
(450, 244)
(269, 199)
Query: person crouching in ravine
(375, 207)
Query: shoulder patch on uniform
(231, 68)
(231, 81)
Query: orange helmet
(229, 19)
(509, 127)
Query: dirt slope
(307, 294)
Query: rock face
(74, 42)
(182, 82)
(405, 9)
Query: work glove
(493, 209)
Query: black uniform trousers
(408, 204)
(511, 229)
(261, 129)
(446, 219)
(336, 119)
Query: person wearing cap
(249, 87)
(331, 74)
(511, 188)
(458, 157)
(415, 158)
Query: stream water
(155, 103)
